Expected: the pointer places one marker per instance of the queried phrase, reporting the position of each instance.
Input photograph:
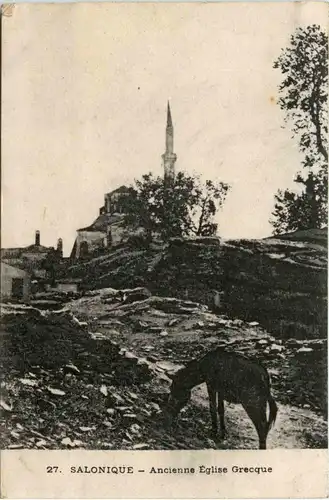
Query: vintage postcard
(164, 250)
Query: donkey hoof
(215, 436)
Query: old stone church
(108, 229)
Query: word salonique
(200, 469)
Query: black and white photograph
(164, 227)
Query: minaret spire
(169, 158)
(169, 119)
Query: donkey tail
(273, 412)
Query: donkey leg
(220, 408)
(257, 414)
(213, 410)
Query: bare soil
(65, 384)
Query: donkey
(231, 377)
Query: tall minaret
(169, 158)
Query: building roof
(14, 271)
(37, 249)
(102, 222)
(19, 250)
(121, 189)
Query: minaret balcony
(169, 157)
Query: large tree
(183, 206)
(303, 97)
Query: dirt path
(294, 427)
(104, 385)
(171, 338)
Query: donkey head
(178, 398)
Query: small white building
(15, 282)
(65, 285)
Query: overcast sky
(85, 90)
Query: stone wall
(8, 273)
(92, 240)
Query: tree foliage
(304, 90)
(182, 207)
(294, 211)
(303, 97)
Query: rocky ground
(94, 375)
(281, 283)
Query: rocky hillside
(94, 375)
(91, 370)
(282, 283)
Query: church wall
(94, 240)
(98, 239)
(113, 202)
(117, 232)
